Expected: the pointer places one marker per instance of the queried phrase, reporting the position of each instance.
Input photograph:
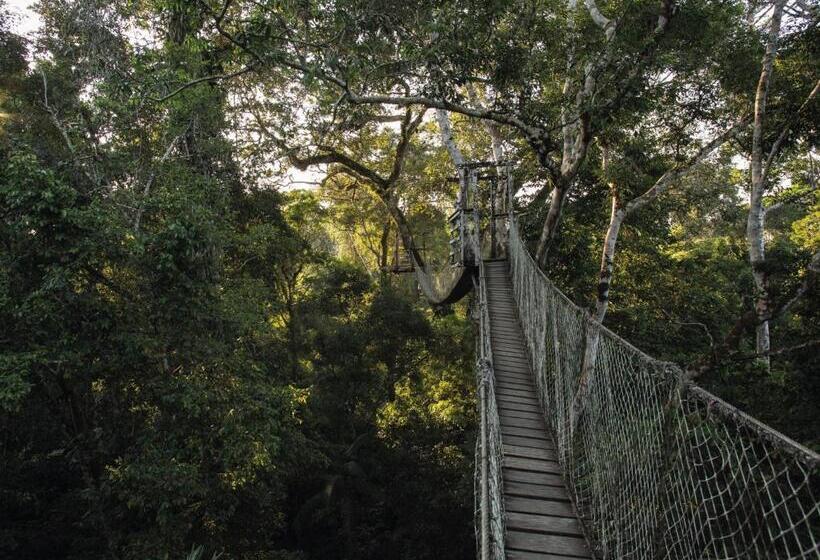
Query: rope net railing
(489, 492)
(658, 467)
(438, 285)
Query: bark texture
(756, 221)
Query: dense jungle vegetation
(201, 355)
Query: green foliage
(195, 364)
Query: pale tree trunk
(575, 125)
(619, 212)
(616, 218)
(447, 139)
(755, 224)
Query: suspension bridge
(589, 448)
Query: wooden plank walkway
(541, 520)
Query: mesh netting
(489, 482)
(658, 467)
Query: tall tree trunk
(755, 224)
(446, 130)
(557, 198)
(616, 218)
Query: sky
(26, 21)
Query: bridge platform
(540, 517)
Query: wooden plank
(544, 524)
(521, 407)
(515, 376)
(508, 345)
(536, 465)
(516, 370)
(525, 490)
(524, 432)
(509, 357)
(517, 337)
(507, 383)
(507, 319)
(509, 403)
(519, 373)
(508, 392)
(505, 328)
(528, 391)
(498, 308)
(506, 349)
(512, 365)
(539, 507)
(525, 423)
(529, 414)
(528, 555)
(517, 399)
(507, 372)
(504, 374)
(497, 332)
(555, 544)
(528, 442)
(514, 349)
(504, 319)
(525, 385)
(532, 408)
(544, 479)
(530, 452)
(505, 366)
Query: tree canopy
(200, 356)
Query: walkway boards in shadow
(541, 521)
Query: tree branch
(665, 180)
(782, 136)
